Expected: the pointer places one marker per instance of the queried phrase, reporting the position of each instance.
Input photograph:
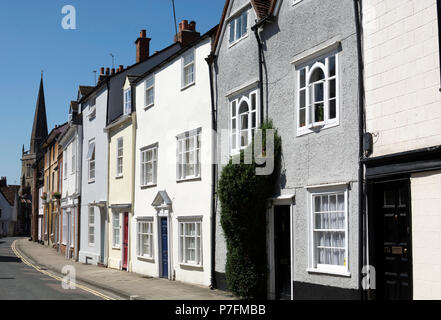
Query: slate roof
(85, 90)
(9, 193)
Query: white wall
(426, 235)
(402, 74)
(175, 111)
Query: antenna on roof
(113, 60)
(174, 16)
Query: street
(19, 281)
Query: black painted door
(393, 241)
(282, 246)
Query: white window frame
(73, 165)
(128, 101)
(235, 21)
(144, 164)
(65, 227)
(72, 230)
(65, 165)
(91, 162)
(91, 226)
(322, 62)
(192, 63)
(116, 230)
(314, 266)
(149, 238)
(92, 108)
(181, 162)
(148, 89)
(119, 157)
(235, 117)
(183, 223)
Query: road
(19, 281)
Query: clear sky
(32, 39)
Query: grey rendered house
(100, 107)
(308, 86)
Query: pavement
(126, 285)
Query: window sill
(191, 266)
(119, 177)
(306, 131)
(188, 86)
(149, 106)
(149, 186)
(146, 259)
(329, 272)
(91, 181)
(116, 248)
(232, 44)
(189, 179)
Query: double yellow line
(53, 276)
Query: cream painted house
(403, 113)
(171, 236)
(121, 133)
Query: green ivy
(243, 197)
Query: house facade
(8, 208)
(99, 108)
(70, 143)
(403, 161)
(308, 87)
(51, 194)
(171, 235)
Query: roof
(74, 106)
(209, 33)
(39, 128)
(85, 90)
(263, 9)
(55, 133)
(9, 193)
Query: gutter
(361, 130)
(210, 61)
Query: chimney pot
(187, 33)
(113, 71)
(107, 71)
(143, 33)
(142, 47)
(102, 71)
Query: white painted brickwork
(403, 101)
(426, 235)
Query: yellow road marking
(26, 262)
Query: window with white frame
(189, 155)
(244, 120)
(91, 160)
(72, 229)
(239, 27)
(149, 165)
(190, 242)
(150, 91)
(145, 239)
(91, 226)
(73, 158)
(329, 222)
(188, 69)
(92, 108)
(116, 228)
(317, 97)
(128, 101)
(65, 165)
(119, 157)
(65, 227)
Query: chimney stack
(113, 71)
(142, 47)
(121, 68)
(187, 33)
(107, 71)
(3, 182)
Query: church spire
(39, 129)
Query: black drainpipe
(255, 28)
(361, 129)
(210, 61)
(438, 9)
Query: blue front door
(164, 247)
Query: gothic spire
(39, 129)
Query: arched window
(243, 120)
(317, 94)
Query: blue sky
(32, 39)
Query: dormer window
(239, 27)
(127, 101)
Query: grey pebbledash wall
(325, 157)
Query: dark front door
(164, 248)
(126, 240)
(393, 241)
(282, 246)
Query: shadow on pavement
(9, 259)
